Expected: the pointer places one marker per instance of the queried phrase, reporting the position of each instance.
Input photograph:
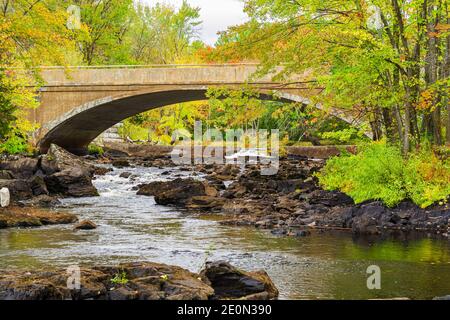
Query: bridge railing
(150, 66)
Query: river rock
(101, 171)
(85, 225)
(57, 160)
(178, 191)
(73, 182)
(13, 217)
(6, 175)
(22, 168)
(121, 163)
(42, 201)
(367, 217)
(230, 282)
(19, 189)
(125, 175)
(142, 281)
(38, 186)
(205, 203)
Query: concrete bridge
(79, 103)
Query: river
(329, 265)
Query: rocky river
(317, 264)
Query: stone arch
(77, 128)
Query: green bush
(15, 144)
(379, 172)
(94, 149)
(133, 131)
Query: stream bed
(324, 265)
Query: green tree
(385, 60)
(162, 34)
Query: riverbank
(138, 281)
(131, 227)
(289, 203)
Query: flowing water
(329, 265)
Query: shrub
(94, 149)
(15, 144)
(379, 172)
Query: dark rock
(126, 175)
(22, 168)
(329, 198)
(6, 175)
(178, 191)
(73, 182)
(85, 225)
(101, 171)
(38, 186)
(121, 163)
(19, 189)
(57, 160)
(229, 282)
(42, 201)
(367, 217)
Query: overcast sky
(216, 15)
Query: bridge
(79, 103)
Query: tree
(386, 59)
(162, 34)
(31, 34)
(108, 22)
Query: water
(133, 228)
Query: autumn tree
(31, 34)
(387, 59)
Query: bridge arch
(76, 129)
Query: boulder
(101, 171)
(18, 189)
(121, 163)
(229, 282)
(72, 182)
(153, 188)
(178, 191)
(138, 281)
(37, 185)
(85, 225)
(125, 175)
(57, 159)
(6, 175)
(42, 201)
(13, 217)
(367, 218)
(22, 168)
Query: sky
(216, 15)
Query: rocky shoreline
(138, 281)
(289, 203)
